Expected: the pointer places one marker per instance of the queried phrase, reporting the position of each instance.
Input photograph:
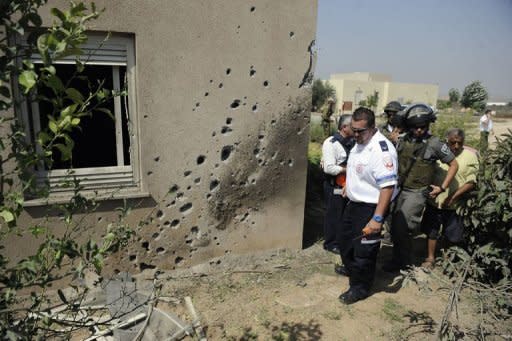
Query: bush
(314, 153)
(465, 121)
(488, 215)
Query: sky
(450, 42)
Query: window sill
(98, 195)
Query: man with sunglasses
(418, 152)
(371, 183)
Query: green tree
(454, 95)
(372, 100)
(321, 92)
(24, 283)
(474, 96)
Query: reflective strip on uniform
(385, 179)
(371, 241)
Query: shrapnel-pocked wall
(223, 109)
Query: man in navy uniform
(371, 184)
(335, 150)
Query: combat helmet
(419, 114)
(393, 106)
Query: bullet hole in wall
(213, 184)
(187, 173)
(155, 235)
(144, 266)
(160, 250)
(200, 159)
(159, 214)
(253, 8)
(185, 208)
(175, 223)
(173, 189)
(221, 85)
(225, 130)
(197, 104)
(226, 152)
(228, 71)
(157, 159)
(265, 83)
(133, 258)
(178, 260)
(235, 104)
(229, 120)
(292, 34)
(206, 94)
(145, 245)
(194, 229)
(255, 108)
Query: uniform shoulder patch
(445, 149)
(384, 146)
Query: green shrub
(314, 153)
(466, 121)
(488, 215)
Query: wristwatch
(442, 188)
(378, 218)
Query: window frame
(121, 181)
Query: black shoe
(392, 267)
(352, 296)
(341, 270)
(333, 249)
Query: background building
(352, 88)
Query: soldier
(326, 116)
(393, 126)
(335, 150)
(418, 152)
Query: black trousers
(359, 255)
(334, 207)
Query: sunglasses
(359, 131)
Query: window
(105, 154)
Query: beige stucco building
(352, 88)
(210, 145)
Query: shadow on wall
(314, 207)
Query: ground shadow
(286, 331)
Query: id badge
(337, 191)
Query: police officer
(393, 126)
(418, 152)
(335, 150)
(371, 183)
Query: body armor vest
(411, 158)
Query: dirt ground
(293, 295)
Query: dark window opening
(95, 139)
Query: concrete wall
(193, 60)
